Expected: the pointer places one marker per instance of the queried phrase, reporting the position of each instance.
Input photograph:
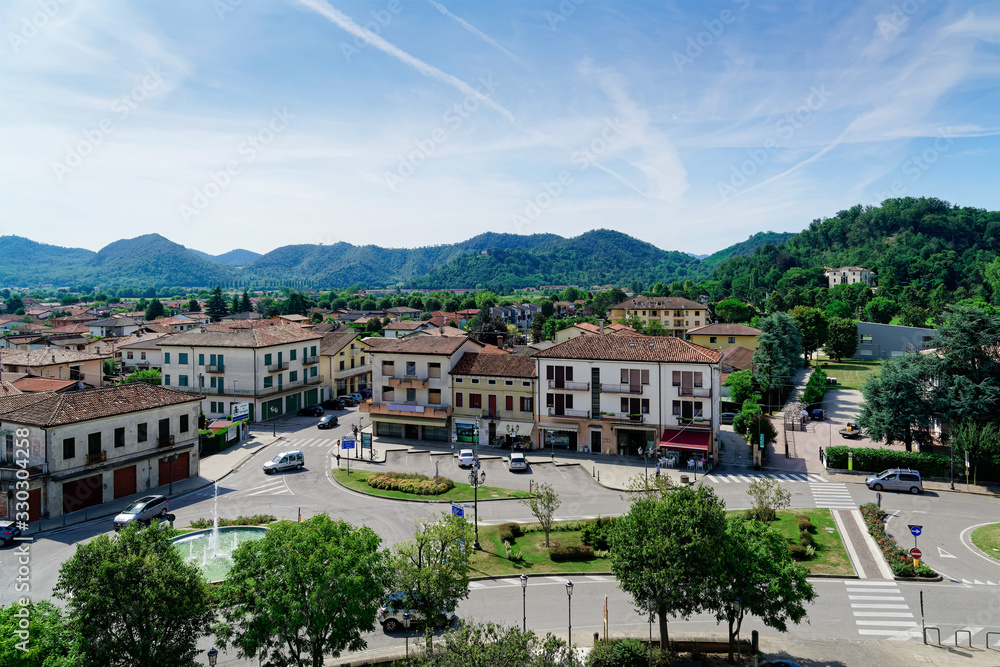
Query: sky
(225, 124)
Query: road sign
(916, 553)
(457, 510)
(347, 443)
(915, 530)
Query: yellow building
(676, 314)
(497, 391)
(346, 361)
(722, 336)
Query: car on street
(365, 393)
(8, 531)
(333, 404)
(896, 479)
(817, 414)
(348, 401)
(311, 411)
(328, 421)
(390, 616)
(517, 462)
(143, 510)
(291, 460)
(466, 458)
(727, 417)
(357, 397)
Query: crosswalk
(728, 478)
(322, 443)
(272, 487)
(833, 495)
(880, 610)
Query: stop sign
(915, 552)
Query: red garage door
(82, 493)
(124, 482)
(34, 505)
(181, 467)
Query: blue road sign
(457, 510)
(915, 530)
(347, 443)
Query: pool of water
(211, 551)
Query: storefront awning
(688, 439)
(399, 419)
(523, 428)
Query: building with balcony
(721, 336)
(140, 352)
(617, 394)
(848, 275)
(676, 314)
(497, 392)
(345, 362)
(588, 329)
(56, 363)
(411, 385)
(275, 368)
(93, 446)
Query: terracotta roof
(156, 327)
(115, 321)
(631, 348)
(738, 357)
(335, 341)
(57, 409)
(659, 303)
(146, 340)
(71, 328)
(495, 365)
(417, 344)
(451, 332)
(19, 401)
(405, 325)
(242, 337)
(9, 389)
(47, 357)
(31, 383)
(724, 330)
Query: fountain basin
(211, 549)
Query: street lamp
(524, 600)
(354, 430)
(169, 460)
(406, 626)
(274, 424)
(569, 599)
(737, 607)
(650, 606)
(476, 479)
(213, 656)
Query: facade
(114, 326)
(345, 361)
(625, 394)
(411, 385)
(274, 368)
(90, 447)
(586, 328)
(494, 393)
(142, 353)
(401, 328)
(56, 363)
(847, 275)
(674, 313)
(881, 341)
(721, 336)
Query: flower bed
(421, 485)
(897, 557)
(253, 520)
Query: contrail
(475, 31)
(347, 24)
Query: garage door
(124, 482)
(82, 493)
(34, 505)
(181, 468)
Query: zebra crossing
(833, 495)
(729, 478)
(880, 610)
(272, 487)
(322, 443)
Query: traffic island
(987, 539)
(356, 480)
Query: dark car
(8, 531)
(817, 414)
(366, 393)
(328, 421)
(348, 401)
(311, 411)
(727, 417)
(333, 404)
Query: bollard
(593, 471)
(598, 475)
(754, 642)
(597, 637)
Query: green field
(987, 538)
(850, 373)
(831, 556)
(491, 561)
(462, 492)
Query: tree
(543, 506)
(740, 385)
(770, 584)
(813, 326)
(733, 310)
(489, 645)
(133, 600)
(193, 306)
(980, 442)
(779, 352)
(897, 404)
(147, 375)
(914, 316)
(665, 549)
(305, 592)
(299, 304)
(767, 498)
(838, 308)
(216, 307)
(968, 341)
(235, 307)
(47, 641)
(432, 570)
(14, 304)
(245, 305)
(154, 310)
(841, 338)
(881, 310)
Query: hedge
(597, 532)
(420, 485)
(897, 557)
(571, 553)
(509, 532)
(815, 387)
(870, 459)
(254, 520)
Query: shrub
(420, 485)
(798, 552)
(571, 553)
(514, 528)
(623, 653)
(898, 559)
(252, 520)
(805, 523)
(806, 539)
(871, 459)
(505, 534)
(597, 532)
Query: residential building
(848, 275)
(520, 315)
(141, 352)
(588, 329)
(401, 328)
(56, 363)
(400, 312)
(720, 336)
(411, 385)
(114, 326)
(881, 341)
(274, 368)
(496, 393)
(616, 394)
(90, 447)
(345, 361)
(676, 314)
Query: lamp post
(213, 656)
(406, 625)
(737, 607)
(476, 478)
(169, 460)
(524, 601)
(354, 430)
(274, 424)
(569, 599)
(649, 606)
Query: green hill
(155, 261)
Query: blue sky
(692, 125)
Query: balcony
(141, 362)
(568, 414)
(678, 324)
(97, 457)
(215, 368)
(165, 441)
(569, 386)
(620, 388)
(363, 369)
(408, 382)
(314, 379)
(694, 422)
(405, 410)
(310, 360)
(696, 392)
(280, 366)
(623, 417)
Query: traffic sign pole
(916, 553)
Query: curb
(414, 500)
(920, 580)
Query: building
(848, 275)
(617, 394)
(274, 368)
(676, 314)
(721, 336)
(56, 363)
(345, 361)
(588, 329)
(881, 341)
(401, 328)
(411, 387)
(494, 393)
(90, 447)
(114, 327)
(140, 351)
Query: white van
(285, 461)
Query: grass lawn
(492, 562)
(461, 493)
(831, 556)
(987, 538)
(850, 373)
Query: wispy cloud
(475, 31)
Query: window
(69, 448)
(698, 379)
(508, 403)
(182, 380)
(166, 357)
(527, 404)
(411, 395)
(491, 382)
(201, 359)
(550, 400)
(184, 424)
(128, 355)
(675, 378)
(93, 443)
(714, 339)
(508, 383)
(411, 368)
(313, 372)
(142, 355)
(267, 359)
(434, 396)
(458, 400)
(458, 380)
(293, 376)
(475, 401)
(312, 351)
(268, 381)
(866, 339)
(475, 380)
(525, 383)
(141, 434)
(120, 436)
(215, 381)
(166, 380)
(388, 394)
(164, 427)
(388, 368)
(291, 355)
(569, 401)
(434, 370)
(182, 358)
(732, 340)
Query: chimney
(602, 327)
(441, 329)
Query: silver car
(517, 462)
(896, 479)
(143, 510)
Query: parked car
(8, 531)
(357, 397)
(143, 510)
(292, 460)
(390, 617)
(328, 421)
(311, 411)
(896, 479)
(517, 462)
(333, 404)
(349, 401)
(366, 393)
(466, 458)
(817, 414)
(850, 431)
(727, 417)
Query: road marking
(895, 634)
(596, 577)
(476, 584)
(944, 554)
(865, 605)
(886, 598)
(276, 488)
(872, 582)
(885, 614)
(888, 624)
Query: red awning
(689, 439)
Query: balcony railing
(311, 359)
(280, 366)
(97, 457)
(405, 409)
(634, 417)
(694, 422)
(165, 441)
(697, 392)
(569, 386)
(620, 388)
(314, 379)
(216, 368)
(569, 414)
(351, 372)
(408, 382)
(140, 362)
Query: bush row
(420, 485)
(871, 459)
(597, 532)
(806, 530)
(252, 520)
(897, 557)
(509, 532)
(815, 388)
(571, 553)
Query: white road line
(872, 583)
(901, 634)
(866, 605)
(888, 624)
(596, 577)
(887, 598)
(885, 614)
(869, 590)
(476, 584)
